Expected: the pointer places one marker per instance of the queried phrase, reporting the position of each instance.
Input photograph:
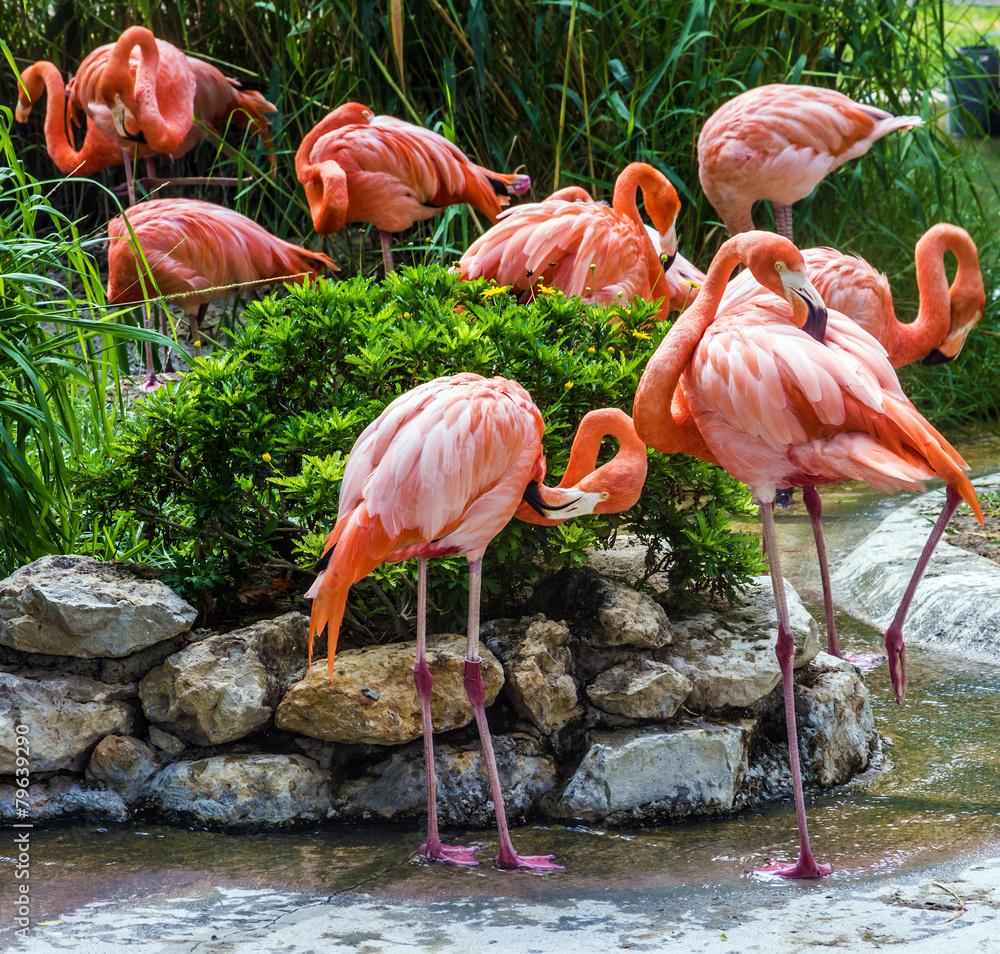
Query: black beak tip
(20, 129)
(668, 260)
(138, 137)
(936, 357)
(815, 325)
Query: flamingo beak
(935, 357)
(807, 304)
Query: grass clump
(234, 475)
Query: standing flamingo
(776, 405)
(777, 142)
(848, 284)
(584, 248)
(359, 167)
(145, 93)
(194, 252)
(97, 152)
(440, 472)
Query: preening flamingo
(777, 406)
(848, 284)
(584, 248)
(145, 92)
(195, 252)
(359, 167)
(777, 142)
(97, 152)
(440, 472)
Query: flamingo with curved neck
(776, 407)
(97, 152)
(584, 248)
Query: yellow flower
(569, 385)
(611, 347)
(197, 344)
(266, 457)
(641, 334)
(406, 314)
(591, 349)
(490, 292)
(544, 289)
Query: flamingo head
(778, 265)
(967, 305)
(122, 106)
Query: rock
(64, 717)
(396, 789)
(77, 606)
(640, 689)
(605, 613)
(650, 774)
(241, 792)
(165, 742)
(836, 727)
(537, 666)
(957, 604)
(341, 711)
(61, 797)
(729, 655)
(123, 765)
(226, 686)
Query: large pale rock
(645, 774)
(61, 797)
(65, 718)
(238, 792)
(123, 765)
(837, 734)
(957, 604)
(729, 655)
(538, 667)
(373, 699)
(602, 611)
(77, 606)
(640, 689)
(226, 686)
(396, 789)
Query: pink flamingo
(195, 252)
(359, 167)
(776, 400)
(777, 142)
(584, 248)
(440, 472)
(848, 284)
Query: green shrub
(234, 474)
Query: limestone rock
(123, 765)
(538, 666)
(604, 612)
(396, 789)
(957, 604)
(226, 686)
(640, 689)
(836, 727)
(61, 797)
(77, 606)
(240, 792)
(729, 656)
(65, 718)
(647, 774)
(373, 699)
(165, 742)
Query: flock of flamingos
(783, 376)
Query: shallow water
(940, 801)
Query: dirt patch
(964, 530)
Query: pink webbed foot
(515, 861)
(451, 854)
(152, 383)
(803, 868)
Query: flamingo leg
(783, 219)
(814, 507)
(432, 848)
(152, 382)
(129, 180)
(386, 250)
(806, 866)
(150, 167)
(168, 361)
(508, 857)
(894, 634)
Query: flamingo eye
(779, 266)
(605, 495)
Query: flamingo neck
(655, 422)
(345, 115)
(914, 340)
(45, 75)
(636, 175)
